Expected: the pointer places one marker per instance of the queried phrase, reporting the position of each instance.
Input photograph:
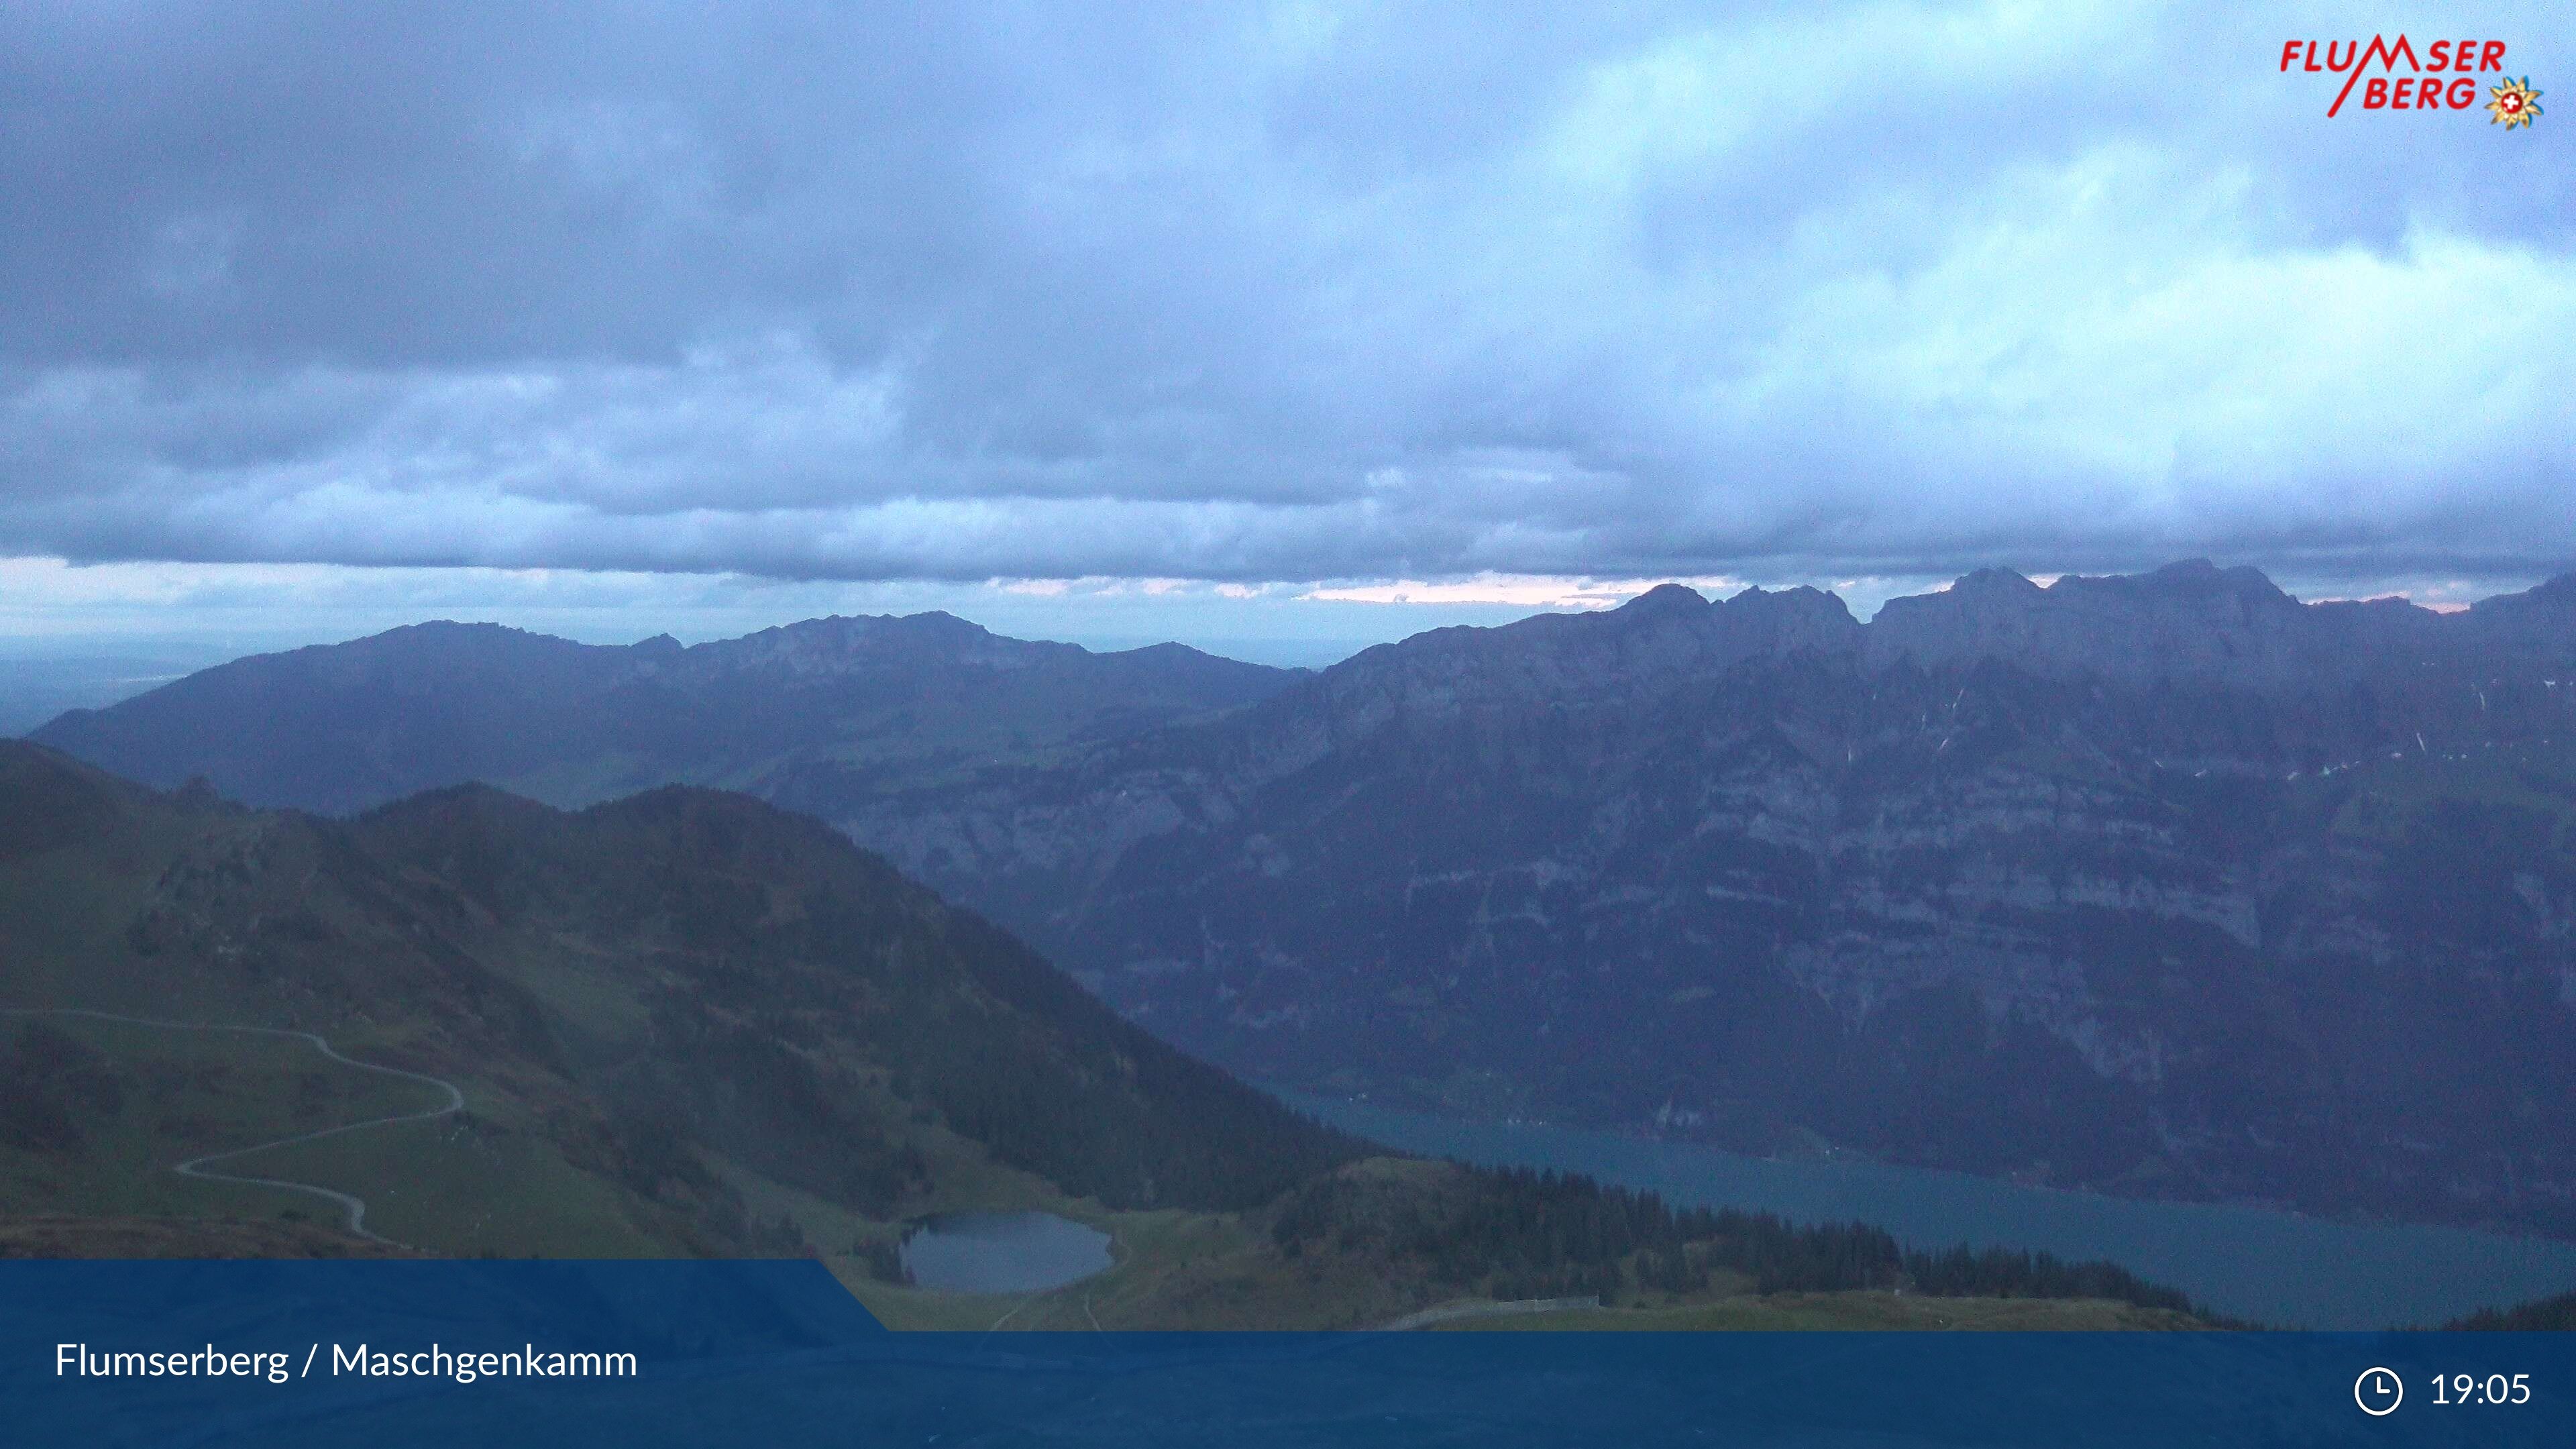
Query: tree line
(1523, 1233)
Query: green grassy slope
(682, 1023)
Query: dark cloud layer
(1284, 292)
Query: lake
(2273, 1267)
(1003, 1252)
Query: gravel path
(352, 1206)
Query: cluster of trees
(2005, 1273)
(1518, 1233)
(2546, 1315)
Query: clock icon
(2379, 1391)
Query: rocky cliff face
(2166, 884)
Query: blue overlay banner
(503, 1354)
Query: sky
(1281, 328)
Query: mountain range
(2166, 884)
(864, 703)
(689, 1023)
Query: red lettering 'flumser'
(2351, 58)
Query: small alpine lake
(1022, 1252)
(2277, 1268)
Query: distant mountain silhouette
(336, 728)
(2166, 884)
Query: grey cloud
(1263, 292)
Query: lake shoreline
(1003, 1252)
(2263, 1264)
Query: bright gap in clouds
(48, 606)
(200, 614)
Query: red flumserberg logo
(2393, 76)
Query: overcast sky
(1245, 320)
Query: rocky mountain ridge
(2167, 884)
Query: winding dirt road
(353, 1206)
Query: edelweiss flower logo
(2515, 103)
